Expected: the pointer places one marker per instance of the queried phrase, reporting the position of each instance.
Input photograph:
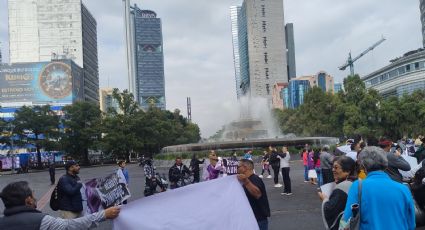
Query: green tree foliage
(82, 122)
(132, 130)
(39, 120)
(357, 110)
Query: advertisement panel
(40, 83)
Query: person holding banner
(255, 191)
(21, 212)
(124, 171)
(69, 186)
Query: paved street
(299, 211)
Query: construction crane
(350, 61)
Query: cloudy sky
(198, 45)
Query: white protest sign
(214, 204)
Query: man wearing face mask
(21, 214)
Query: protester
(21, 214)
(194, 167)
(52, 170)
(177, 174)
(395, 160)
(420, 152)
(255, 191)
(343, 170)
(213, 169)
(304, 155)
(69, 185)
(265, 164)
(418, 191)
(312, 174)
(152, 181)
(316, 159)
(385, 204)
(248, 155)
(121, 167)
(284, 165)
(275, 163)
(326, 160)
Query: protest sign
(105, 192)
(214, 204)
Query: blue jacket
(385, 204)
(69, 193)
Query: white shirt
(284, 161)
(352, 155)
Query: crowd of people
(371, 185)
(376, 186)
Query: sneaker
(289, 193)
(283, 193)
(260, 176)
(277, 185)
(269, 176)
(306, 181)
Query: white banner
(214, 204)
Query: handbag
(354, 223)
(54, 199)
(312, 173)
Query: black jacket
(174, 174)
(69, 193)
(194, 164)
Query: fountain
(255, 128)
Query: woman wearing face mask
(332, 207)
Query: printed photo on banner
(105, 192)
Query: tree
(38, 120)
(82, 122)
(118, 128)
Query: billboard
(40, 83)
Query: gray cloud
(198, 49)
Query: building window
(263, 11)
(266, 59)
(265, 42)
(268, 89)
(264, 26)
(407, 68)
(266, 70)
(416, 65)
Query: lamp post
(12, 127)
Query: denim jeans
(305, 173)
(319, 176)
(263, 224)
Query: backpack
(55, 199)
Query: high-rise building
(422, 9)
(261, 47)
(296, 91)
(107, 101)
(322, 80)
(146, 58)
(337, 87)
(45, 30)
(234, 12)
(290, 54)
(403, 75)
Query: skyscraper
(45, 30)
(422, 9)
(261, 47)
(234, 12)
(146, 58)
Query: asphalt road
(298, 211)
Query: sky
(197, 44)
